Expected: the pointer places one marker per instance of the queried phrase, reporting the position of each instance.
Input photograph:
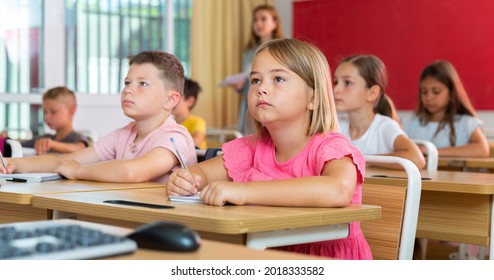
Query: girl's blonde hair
(310, 64)
(277, 32)
(459, 103)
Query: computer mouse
(166, 236)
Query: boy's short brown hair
(62, 94)
(191, 89)
(170, 66)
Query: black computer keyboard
(60, 239)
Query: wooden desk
(462, 163)
(257, 226)
(454, 206)
(209, 250)
(215, 250)
(16, 198)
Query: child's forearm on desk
(315, 191)
(45, 163)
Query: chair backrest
(10, 147)
(393, 236)
(216, 137)
(15, 147)
(208, 153)
(489, 133)
(432, 153)
(91, 135)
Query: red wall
(407, 35)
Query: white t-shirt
(379, 137)
(465, 125)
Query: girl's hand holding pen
(182, 182)
(7, 166)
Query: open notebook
(30, 177)
(186, 198)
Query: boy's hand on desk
(182, 182)
(68, 168)
(43, 145)
(221, 192)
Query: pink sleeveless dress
(246, 162)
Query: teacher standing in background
(266, 26)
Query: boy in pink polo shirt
(141, 151)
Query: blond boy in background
(59, 106)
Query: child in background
(445, 115)
(359, 85)
(266, 26)
(394, 113)
(194, 124)
(59, 106)
(4, 133)
(297, 157)
(140, 151)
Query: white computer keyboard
(60, 240)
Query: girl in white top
(359, 85)
(445, 115)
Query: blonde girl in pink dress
(296, 158)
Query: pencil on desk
(3, 161)
(182, 162)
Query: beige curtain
(220, 31)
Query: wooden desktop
(16, 198)
(208, 250)
(466, 163)
(235, 224)
(455, 206)
(215, 250)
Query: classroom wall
(99, 114)
(285, 11)
(406, 35)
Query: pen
(20, 180)
(395, 177)
(182, 162)
(3, 161)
